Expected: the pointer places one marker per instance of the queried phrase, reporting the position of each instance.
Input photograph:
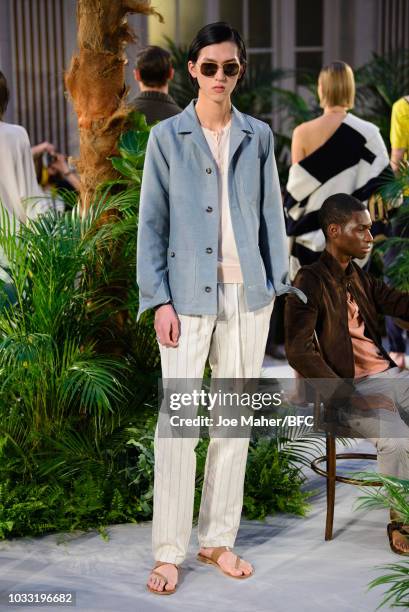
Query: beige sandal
(212, 560)
(163, 592)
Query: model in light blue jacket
(179, 216)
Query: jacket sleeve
(302, 352)
(153, 229)
(272, 234)
(390, 301)
(300, 323)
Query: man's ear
(171, 74)
(333, 230)
(137, 75)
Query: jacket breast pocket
(182, 274)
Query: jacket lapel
(189, 124)
(240, 129)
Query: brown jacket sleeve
(300, 321)
(390, 301)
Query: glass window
(260, 63)
(309, 18)
(256, 89)
(232, 12)
(260, 23)
(192, 18)
(308, 64)
(156, 30)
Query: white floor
(295, 569)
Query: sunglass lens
(230, 70)
(208, 69)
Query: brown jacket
(155, 105)
(325, 284)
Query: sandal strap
(237, 564)
(219, 550)
(159, 563)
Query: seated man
(342, 308)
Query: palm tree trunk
(96, 83)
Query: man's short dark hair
(154, 65)
(338, 209)
(212, 34)
(4, 94)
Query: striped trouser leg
(175, 459)
(237, 351)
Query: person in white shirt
(20, 195)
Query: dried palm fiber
(96, 83)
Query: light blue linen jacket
(179, 216)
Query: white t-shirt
(228, 267)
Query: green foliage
(65, 406)
(397, 595)
(380, 83)
(398, 270)
(394, 495)
(272, 484)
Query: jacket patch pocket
(182, 274)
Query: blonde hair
(337, 85)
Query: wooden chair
(330, 458)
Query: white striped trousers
(234, 341)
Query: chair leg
(331, 470)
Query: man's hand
(167, 326)
(377, 401)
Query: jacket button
(209, 250)
(208, 289)
(208, 170)
(172, 254)
(209, 209)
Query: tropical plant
(393, 495)
(65, 407)
(397, 595)
(391, 190)
(95, 81)
(380, 82)
(272, 484)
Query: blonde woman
(336, 152)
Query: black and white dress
(353, 160)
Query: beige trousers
(234, 340)
(387, 431)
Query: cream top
(228, 266)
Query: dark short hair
(338, 209)
(213, 34)
(4, 94)
(154, 65)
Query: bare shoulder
(309, 126)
